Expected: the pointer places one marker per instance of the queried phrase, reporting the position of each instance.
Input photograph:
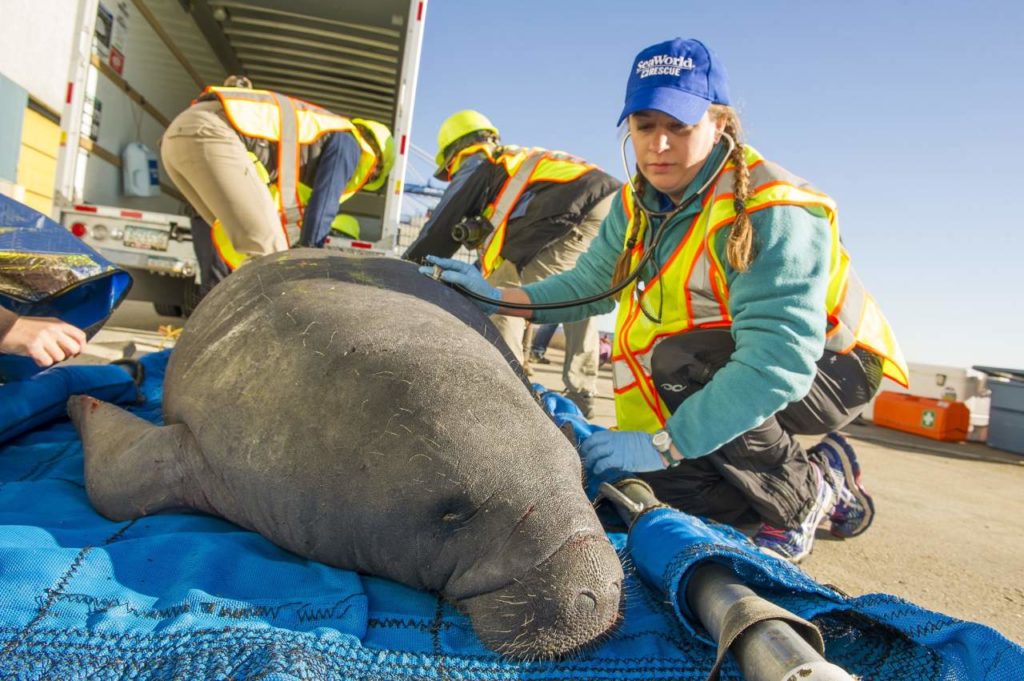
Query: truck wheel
(191, 299)
(167, 310)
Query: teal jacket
(777, 305)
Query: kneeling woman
(747, 323)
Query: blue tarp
(193, 597)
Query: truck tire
(167, 310)
(191, 299)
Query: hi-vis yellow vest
(694, 270)
(290, 122)
(525, 167)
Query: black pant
(764, 475)
(212, 270)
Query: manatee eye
(454, 510)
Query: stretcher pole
(770, 650)
(766, 650)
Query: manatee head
(568, 602)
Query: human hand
(46, 340)
(610, 455)
(466, 276)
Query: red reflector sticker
(131, 214)
(86, 209)
(361, 244)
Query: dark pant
(541, 339)
(331, 176)
(212, 270)
(763, 475)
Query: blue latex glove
(466, 276)
(555, 403)
(610, 455)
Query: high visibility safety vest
(290, 123)
(694, 268)
(452, 167)
(525, 167)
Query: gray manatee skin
(357, 413)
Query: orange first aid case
(936, 419)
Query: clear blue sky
(907, 112)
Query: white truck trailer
(135, 64)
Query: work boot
(582, 399)
(855, 509)
(795, 544)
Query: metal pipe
(766, 651)
(770, 650)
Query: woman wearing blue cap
(744, 325)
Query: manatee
(357, 413)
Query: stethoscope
(649, 250)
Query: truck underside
(137, 65)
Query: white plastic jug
(140, 170)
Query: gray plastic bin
(1006, 415)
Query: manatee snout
(568, 602)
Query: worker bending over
(224, 150)
(747, 324)
(530, 213)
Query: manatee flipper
(132, 467)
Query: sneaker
(539, 359)
(854, 509)
(794, 544)
(583, 400)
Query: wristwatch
(662, 441)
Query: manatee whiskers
(631, 586)
(510, 602)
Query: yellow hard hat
(346, 224)
(458, 125)
(386, 144)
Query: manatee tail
(132, 468)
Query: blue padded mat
(194, 597)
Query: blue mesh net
(182, 596)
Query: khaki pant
(208, 163)
(579, 372)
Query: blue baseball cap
(679, 77)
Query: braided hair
(621, 270)
(740, 248)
